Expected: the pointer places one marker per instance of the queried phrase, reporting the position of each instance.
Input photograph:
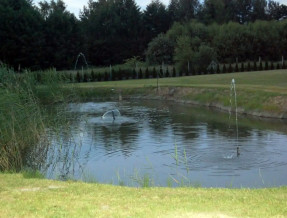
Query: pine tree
(248, 66)
(272, 66)
(134, 74)
(140, 74)
(254, 66)
(93, 76)
(236, 67)
(166, 72)
(173, 72)
(147, 73)
(106, 76)
(71, 78)
(85, 78)
(278, 66)
(266, 65)
(224, 69)
(120, 76)
(260, 66)
(242, 67)
(161, 72)
(154, 74)
(217, 69)
(78, 77)
(230, 68)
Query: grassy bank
(261, 93)
(36, 197)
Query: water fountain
(81, 55)
(112, 114)
(233, 92)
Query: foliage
(160, 50)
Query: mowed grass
(24, 197)
(275, 80)
(261, 91)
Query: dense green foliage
(110, 31)
(199, 44)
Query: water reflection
(166, 141)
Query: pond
(156, 143)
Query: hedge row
(161, 73)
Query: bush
(224, 70)
(242, 67)
(166, 72)
(266, 65)
(230, 68)
(173, 72)
(160, 50)
(248, 66)
(254, 66)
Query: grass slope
(24, 197)
(263, 91)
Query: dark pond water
(164, 144)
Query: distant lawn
(257, 92)
(275, 81)
(22, 197)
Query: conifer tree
(224, 70)
(173, 72)
(236, 67)
(242, 67)
(266, 65)
(166, 72)
(230, 68)
(248, 66)
(254, 66)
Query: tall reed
(22, 118)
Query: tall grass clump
(22, 119)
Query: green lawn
(257, 92)
(24, 197)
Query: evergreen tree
(140, 73)
(236, 67)
(266, 65)
(134, 74)
(173, 72)
(254, 66)
(154, 74)
(242, 67)
(147, 73)
(260, 66)
(248, 66)
(78, 77)
(224, 70)
(278, 66)
(218, 69)
(106, 76)
(272, 66)
(166, 72)
(230, 68)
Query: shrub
(236, 67)
(224, 70)
(254, 66)
(140, 73)
(160, 50)
(230, 68)
(248, 66)
(166, 72)
(173, 72)
(242, 67)
(266, 65)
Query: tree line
(111, 31)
